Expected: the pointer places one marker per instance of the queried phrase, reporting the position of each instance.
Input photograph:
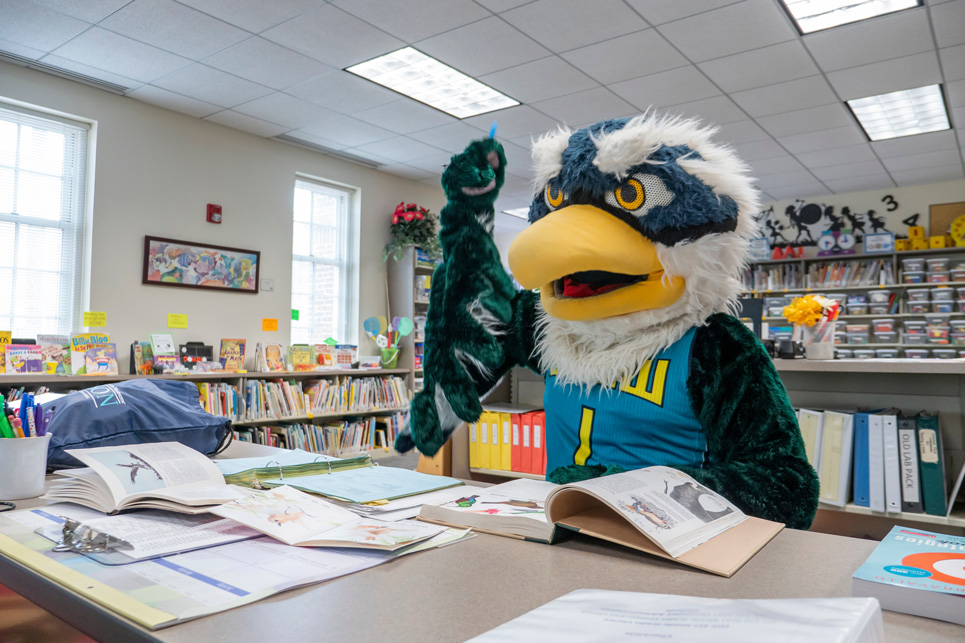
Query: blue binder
(862, 493)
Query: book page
(368, 484)
(136, 470)
(288, 458)
(523, 498)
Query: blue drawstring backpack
(131, 412)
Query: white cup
(23, 465)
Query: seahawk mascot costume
(639, 231)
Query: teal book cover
(919, 560)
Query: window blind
(43, 165)
(320, 262)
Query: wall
(155, 171)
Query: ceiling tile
(173, 27)
(514, 122)
(811, 119)
(948, 20)
(88, 10)
(498, 6)
(666, 88)
(741, 132)
(399, 149)
(887, 76)
(212, 86)
(837, 156)
(175, 102)
(114, 53)
(953, 62)
(334, 37)
(308, 137)
(266, 63)
(850, 170)
(434, 163)
(567, 24)
(483, 47)
(860, 184)
(453, 137)
(928, 175)
(247, 123)
(405, 171)
(823, 140)
(620, 58)
(285, 110)
(584, 107)
(518, 164)
(658, 12)
(729, 30)
(413, 20)
(368, 156)
(917, 144)
(539, 80)
(892, 36)
(784, 179)
(719, 109)
(404, 116)
(955, 93)
(343, 92)
(254, 15)
(759, 150)
(26, 23)
(765, 66)
(786, 97)
(774, 165)
(806, 191)
(20, 50)
(93, 72)
(942, 158)
(347, 131)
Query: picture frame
(760, 249)
(879, 242)
(188, 264)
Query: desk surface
(462, 590)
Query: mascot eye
(639, 194)
(554, 196)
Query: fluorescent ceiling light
(910, 111)
(416, 75)
(522, 213)
(815, 15)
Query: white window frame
(349, 286)
(80, 266)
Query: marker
(31, 427)
(5, 429)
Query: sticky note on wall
(269, 323)
(177, 320)
(95, 319)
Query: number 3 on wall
(586, 429)
(890, 202)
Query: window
(321, 264)
(42, 183)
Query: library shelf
(507, 474)
(307, 419)
(878, 316)
(956, 519)
(16, 379)
(827, 289)
(876, 365)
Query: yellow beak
(578, 238)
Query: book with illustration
(325, 355)
(56, 348)
(274, 358)
(101, 359)
(24, 358)
(142, 358)
(232, 355)
(301, 357)
(165, 354)
(78, 349)
(299, 519)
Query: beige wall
(155, 172)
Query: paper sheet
(368, 484)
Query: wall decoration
(879, 242)
(760, 249)
(169, 262)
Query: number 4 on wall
(911, 221)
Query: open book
(160, 475)
(657, 510)
(296, 518)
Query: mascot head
(639, 231)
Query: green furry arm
(478, 326)
(756, 452)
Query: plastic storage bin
(882, 296)
(919, 294)
(958, 274)
(913, 264)
(858, 338)
(916, 339)
(857, 309)
(915, 327)
(961, 305)
(957, 339)
(879, 309)
(957, 325)
(942, 306)
(942, 294)
(863, 353)
(883, 325)
(839, 297)
(941, 277)
(888, 353)
(843, 353)
(886, 338)
(858, 298)
(919, 307)
(937, 264)
(917, 353)
(913, 277)
(944, 353)
(840, 338)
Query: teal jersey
(646, 421)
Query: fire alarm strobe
(214, 213)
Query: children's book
(232, 355)
(56, 348)
(78, 349)
(165, 354)
(916, 572)
(101, 359)
(296, 518)
(346, 355)
(5, 339)
(325, 355)
(301, 357)
(274, 358)
(24, 358)
(142, 358)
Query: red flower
(423, 211)
(419, 216)
(400, 208)
(409, 216)
(411, 206)
(395, 218)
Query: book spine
(892, 464)
(908, 455)
(861, 479)
(931, 464)
(876, 463)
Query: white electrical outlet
(268, 285)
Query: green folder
(931, 464)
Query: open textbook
(160, 475)
(657, 510)
(296, 518)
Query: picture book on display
(916, 572)
(162, 347)
(24, 358)
(142, 358)
(101, 359)
(325, 355)
(159, 475)
(273, 358)
(5, 340)
(56, 348)
(657, 510)
(78, 349)
(296, 518)
(232, 355)
(301, 357)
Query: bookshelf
(407, 300)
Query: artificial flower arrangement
(412, 226)
(810, 311)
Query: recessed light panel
(903, 113)
(522, 213)
(416, 75)
(815, 15)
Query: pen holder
(23, 464)
(390, 357)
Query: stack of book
(837, 274)
(350, 394)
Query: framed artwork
(879, 242)
(169, 262)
